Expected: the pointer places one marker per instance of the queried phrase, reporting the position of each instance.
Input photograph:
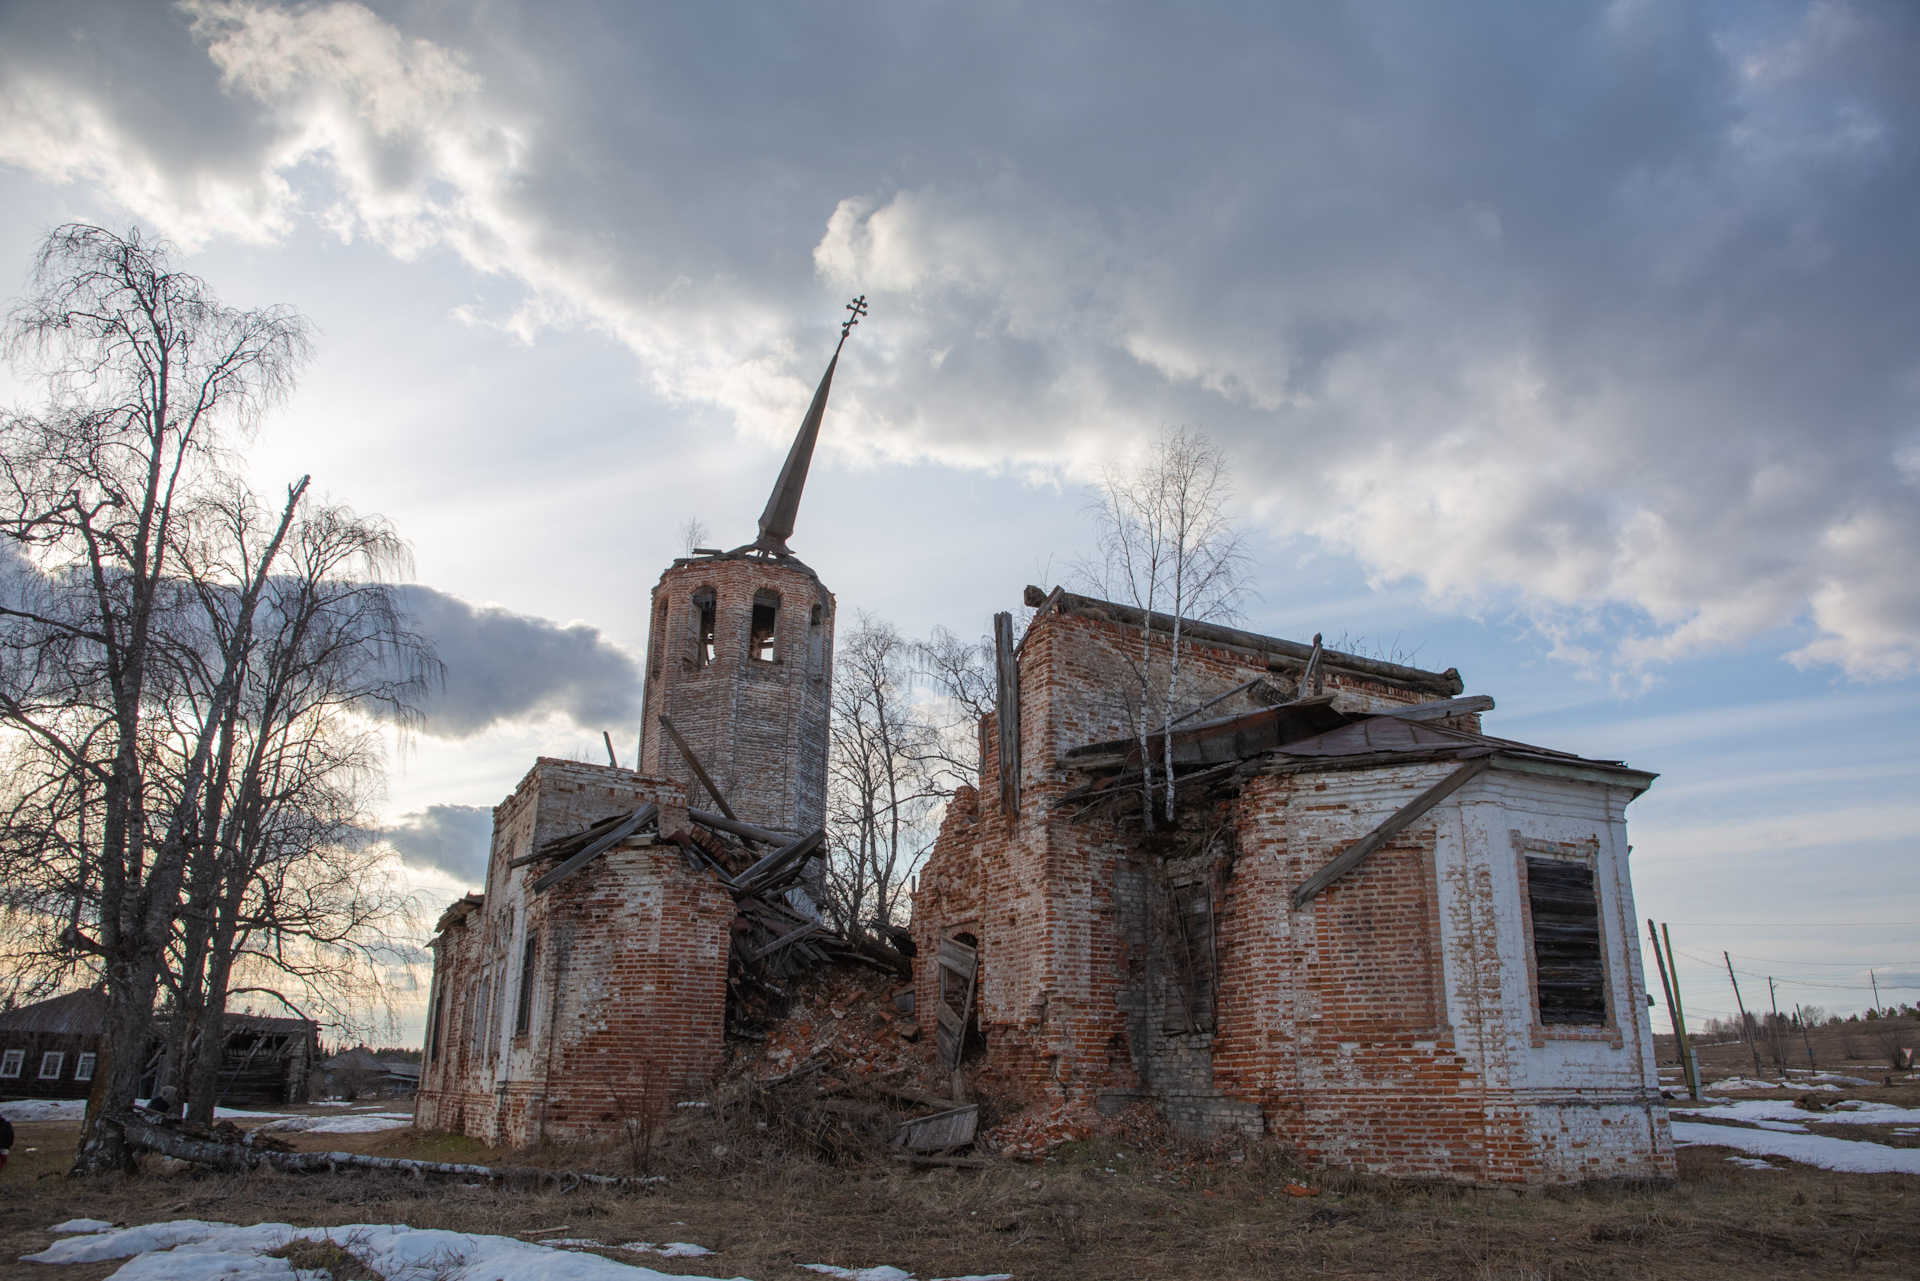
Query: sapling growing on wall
(1165, 544)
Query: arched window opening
(766, 618)
(704, 610)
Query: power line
(1811, 925)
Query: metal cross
(859, 308)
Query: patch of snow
(191, 1250)
(28, 1110)
(1843, 1080)
(1748, 1083)
(126, 1242)
(574, 1243)
(885, 1272)
(1849, 1112)
(1752, 1163)
(1824, 1151)
(359, 1123)
(989, 1276)
(72, 1226)
(671, 1250)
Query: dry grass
(1102, 1209)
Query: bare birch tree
(285, 892)
(186, 782)
(146, 369)
(882, 782)
(1165, 545)
(960, 674)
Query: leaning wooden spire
(783, 506)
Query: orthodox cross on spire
(783, 506)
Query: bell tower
(740, 661)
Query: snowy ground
(194, 1250)
(357, 1123)
(1776, 1127)
(1824, 1151)
(30, 1110)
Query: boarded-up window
(1569, 979)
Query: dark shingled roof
(76, 1013)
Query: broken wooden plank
(699, 770)
(785, 940)
(1352, 856)
(1439, 709)
(762, 874)
(619, 832)
(953, 1128)
(959, 958)
(949, 1162)
(571, 843)
(720, 822)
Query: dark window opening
(766, 617)
(523, 1014)
(430, 1051)
(1569, 976)
(703, 616)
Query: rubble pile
(848, 1021)
(1031, 1135)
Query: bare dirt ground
(1101, 1209)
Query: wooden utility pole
(1680, 1008)
(1805, 1037)
(1875, 980)
(1671, 986)
(1746, 1024)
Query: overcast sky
(1576, 346)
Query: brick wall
(627, 985)
(759, 726)
(1386, 1026)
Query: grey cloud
(1606, 308)
(453, 839)
(502, 666)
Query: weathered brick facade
(1389, 1024)
(755, 715)
(561, 1013)
(563, 1009)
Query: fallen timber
(775, 937)
(168, 1140)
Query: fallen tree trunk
(167, 1141)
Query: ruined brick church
(1370, 931)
